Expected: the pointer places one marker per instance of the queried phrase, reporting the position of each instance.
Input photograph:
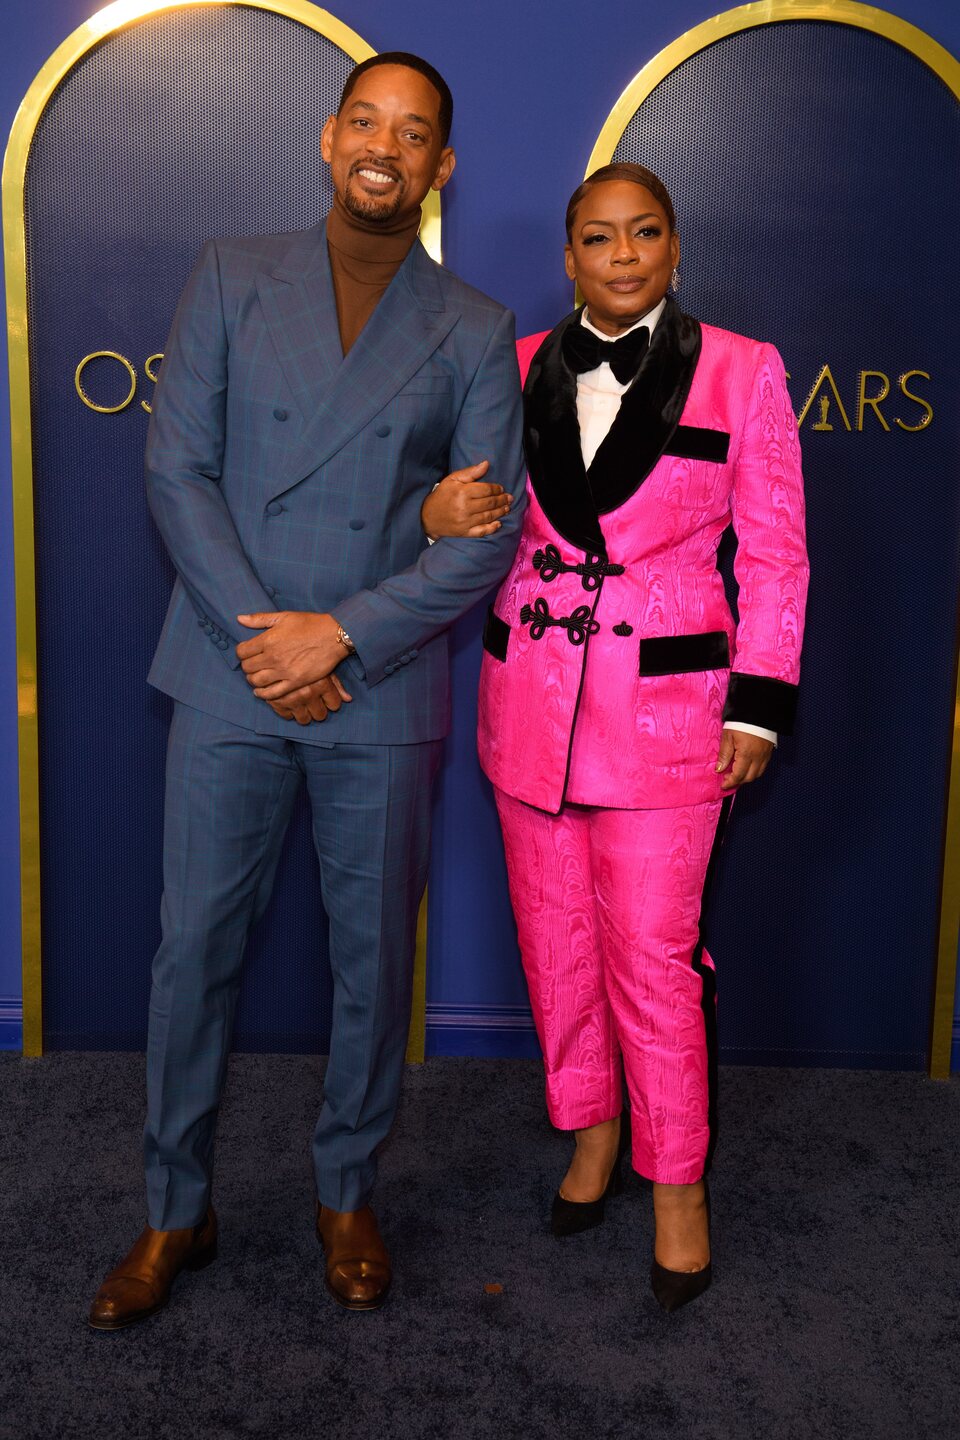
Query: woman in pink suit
(620, 706)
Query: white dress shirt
(599, 393)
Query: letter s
(924, 404)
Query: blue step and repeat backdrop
(807, 162)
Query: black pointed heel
(572, 1217)
(673, 1288)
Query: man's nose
(384, 143)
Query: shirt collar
(650, 320)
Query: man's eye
(412, 135)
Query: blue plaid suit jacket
(283, 476)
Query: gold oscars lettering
(127, 374)
(870, 392)
(823, 409)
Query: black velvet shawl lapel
(572, 498)
(649, 412)
(552, 445)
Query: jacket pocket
(693, 442)
(681, 654)
(496, 635)
(427, 385)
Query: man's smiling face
(384, 148)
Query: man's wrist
(344, 639)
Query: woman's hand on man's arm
(465, 505)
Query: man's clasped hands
(291, 664)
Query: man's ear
(326, 138)
(446, 167)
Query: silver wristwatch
(344, 639)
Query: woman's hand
(743, 756)
(461, 505)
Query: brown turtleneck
(364, 257)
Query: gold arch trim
(748, 17)
(947, 68)
(64, 59)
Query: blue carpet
(835, 1310)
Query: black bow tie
(583, 350)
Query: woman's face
(622, 253)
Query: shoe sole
(356, 1304)
(125, 1324)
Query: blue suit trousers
(229, 797)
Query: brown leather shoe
(140, 1285)
(358, 1266)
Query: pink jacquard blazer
(611, 656)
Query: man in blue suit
(316, 387)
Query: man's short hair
(410, 62)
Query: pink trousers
(608, 908)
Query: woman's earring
(675, 280)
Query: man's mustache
(377, 165)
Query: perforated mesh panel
(807, 165)
(185, 125)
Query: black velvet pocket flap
(681, 654)
(496, 635)
(692, 442)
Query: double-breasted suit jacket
(285, 476)
(612, 658)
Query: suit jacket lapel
(339, 395)
(552, 445)
(298, 304)
(649, 412)
(404, 330)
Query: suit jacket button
(279, 414)
(356, 524)
(221, 644)
(270, 590)
(389, 669)
(383, 431)
(274, 508)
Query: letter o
(105, 355)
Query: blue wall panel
(105, 274)
(824, 934)
(532, 85)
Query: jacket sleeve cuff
(760, 700)
(746, 729)
(220, 640)
(358, 616)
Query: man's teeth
(377, 176)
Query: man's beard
(372, 207)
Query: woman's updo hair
(623, 170)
